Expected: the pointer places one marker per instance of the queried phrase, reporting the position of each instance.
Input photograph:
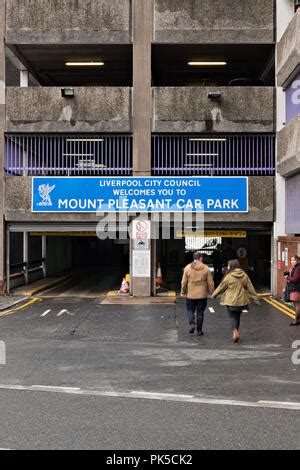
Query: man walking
(196, 284)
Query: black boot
(295, 323)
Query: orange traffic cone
(124, 289)
(159, 278)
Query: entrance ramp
(39, 286)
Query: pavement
(9, 301)
(81, 374)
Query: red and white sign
(141, 229)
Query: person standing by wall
(217, 259)
(197, 283)
(293, 281)
(237, 290)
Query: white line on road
(211, 310)
(155, 396)
(46, 312)
(54, 387)
(62, 312)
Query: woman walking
(293, 284)
(237, 290)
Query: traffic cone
(159, 278)
(124, 289)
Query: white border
(140, 177)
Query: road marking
(46, 313)
(211, 310)
(284, 306)
(270, 402)
(159, 395)
(62, 312)
(9, 312)
(54, 387)
(143, 395)
(281, 307)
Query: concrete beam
(214, 21)
(189, 109)
(93, 109)
(288, 148)
(68, 22)
(288, 52)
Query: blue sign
(139, 194)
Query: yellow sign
(63, 234)
(212, 233)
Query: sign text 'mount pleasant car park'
(140, 194)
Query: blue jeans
(196, 306)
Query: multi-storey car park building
(287, 229)
(104, 88)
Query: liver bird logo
(44, 192)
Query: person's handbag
(289, 288)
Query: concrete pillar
(142, 11)
(140, 257)
(142, 19)
(2, 129)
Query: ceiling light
(84, 140)
(196, 139)
(202, 154)
(207, 63)
(84, 64)
(78, 155)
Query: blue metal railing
(219, 155)
(68, 155)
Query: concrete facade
(68, 21)
(18, 204)
(189, 109)
(212, 21)
(288, 52)
(93, 109)
(288, 148)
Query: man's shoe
(192, 329)
(199, 333)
